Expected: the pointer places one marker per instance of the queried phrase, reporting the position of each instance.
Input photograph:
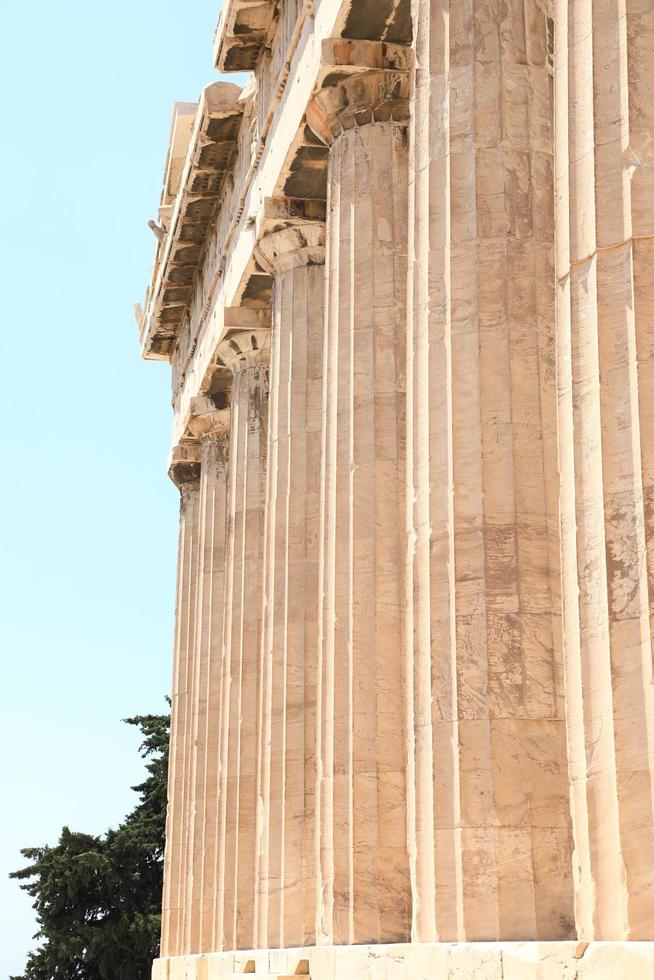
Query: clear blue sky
(88, 528)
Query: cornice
(209, 159)
(244, 29)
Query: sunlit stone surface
(405, 283)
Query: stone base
(424, 961)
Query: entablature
(192, 196)
(243, 32)
(276, 155)
(247, 27)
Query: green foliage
(98, 899)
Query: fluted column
(361, 113)
(185, 473)
(245, 352)
(291, 249)
(638, 155)
(489, 823)
(605, 192)
(211, 427)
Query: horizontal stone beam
(243, 31)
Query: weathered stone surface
(491, 830)
(364, 869)
(247, 354)
(200, 159)
(292, 246)
(438, 961)
(405, 283)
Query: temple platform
(424, 961)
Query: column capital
(243, 348)
(360, 82)
(291, 234)
(184, 464)
(208, 420)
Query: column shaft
(364, 864)
(609, 670)
(208, 687)
(491, 828)
(286, 897)
(640, 161)
(237, 843)
(174, 912)
(433, 758)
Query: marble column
(292, 249)
(185, 472)
(361, 113)
(489, 826)
(211, 427)
(605, 228)
(246, 353)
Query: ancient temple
(405, 282)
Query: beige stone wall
(412, 697)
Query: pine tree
(98, 899)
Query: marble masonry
(404, 279)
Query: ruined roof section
(190, 199)
(243, 31)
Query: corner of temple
(404, 283)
